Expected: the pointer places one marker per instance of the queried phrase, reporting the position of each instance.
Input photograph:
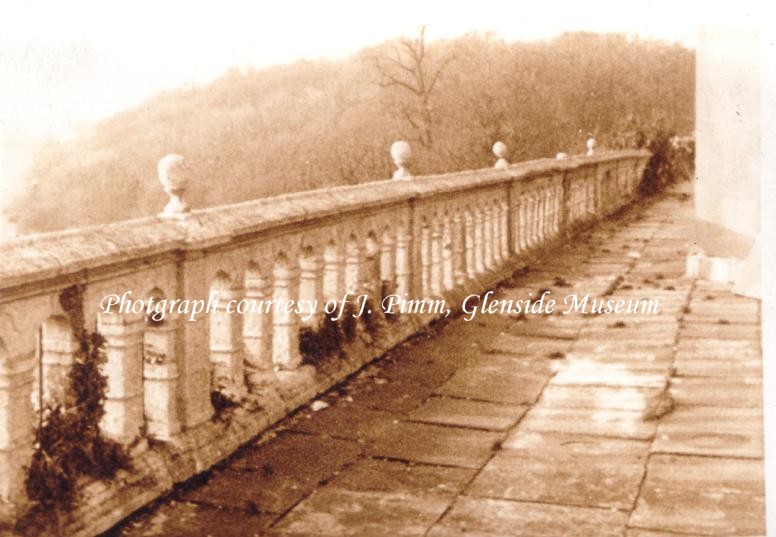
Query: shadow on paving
(578, 424)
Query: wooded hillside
(311, 124)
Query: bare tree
(408, 68)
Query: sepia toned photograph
(386, 269)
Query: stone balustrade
(441, 236)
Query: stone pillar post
(123, 369)
(505, 241)
(425, 260)
(17, 421)
(160, 380)
(333, 274)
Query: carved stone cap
(401, 153)
(500, 150)
(590, 146)
(172, 176)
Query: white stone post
(504, 223)
(16, 431)
(160, 380)
(447, 254)
(333, 274)
(401, 153)
(123, 369)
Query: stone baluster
(226, 344)
(533, 235)
(447, 254)
(479, 242)
(372, 263)
(403, 276)
(500, 150)
(58, 350)
(459, 251)
(387, 263)
(496, 225)
(285, 324)
(310, 291)
(487, 236)
(333, 273)
(425, 259)
(504, 224)
(522, 223)
(257, 332)
(437, 270)
(123, 369)
(17, 420)
(160, 380)
(470, 246)
(401, 153)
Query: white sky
(64, 64)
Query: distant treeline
(312, 124)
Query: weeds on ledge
(316, 345)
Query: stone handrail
(439, 236)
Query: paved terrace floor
(584, 425)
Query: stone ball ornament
(500, 151)
(172, 175)
(401, 153)
(591, 146)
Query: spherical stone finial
(401, 153)
(500, 150)
(172, 176)
(590, 146)
(561, 156)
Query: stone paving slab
(275, 476)
(612, 397)
(466, 413)
(741, 391)
(334, 512)
(503, 386)
(602, 422)
(605, 481)
(434, 444)
(489, 517)
(722, 431)
(702, 495)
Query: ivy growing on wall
(69, 442)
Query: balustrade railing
(420, 237)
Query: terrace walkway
(589, 425)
